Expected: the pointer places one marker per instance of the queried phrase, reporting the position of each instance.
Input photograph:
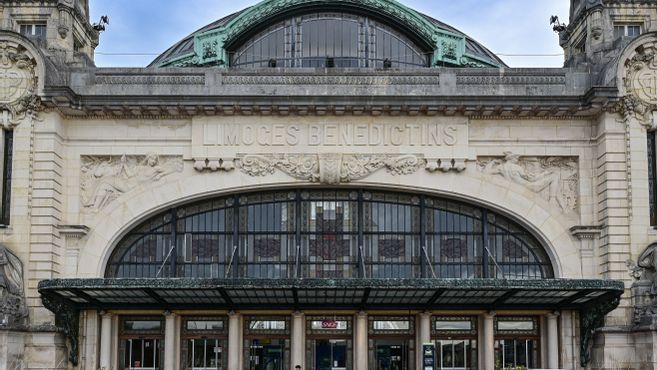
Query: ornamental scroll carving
(105, 178)
(330, 168)
(640, 82)
(555, 179)
(18, 84)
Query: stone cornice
(480, 93)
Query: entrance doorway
(330, 354)
(455, 338)
(517, 342)
(329, 342)
(141, 343)
(204, 342)
(392, 343)
(266, 354)
(267, 342)
(392, 354)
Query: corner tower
(60, 28)
(600, 29)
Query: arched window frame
(330, 234)
(298, 48)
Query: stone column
(298, 340)
(170, 341)
(488, 360)
(361, 351)
(106, 341)
(424, 335)
(234, 345)
(553, 341)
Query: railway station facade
(334, 184)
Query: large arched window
(329, 234)
(330, 40)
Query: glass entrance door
(142, 354)
(512, 353)
(391, 355)
(204, 354)
(266, 355)
(330, 354)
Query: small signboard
(428, 356)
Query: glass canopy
(329, 234)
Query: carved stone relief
(330, 168)
(105, 178)
(556, 179)
(640, 82)
(644, 289)
(18, 84)
(13, 310)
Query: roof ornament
(557, 26)
(100, 26)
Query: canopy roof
(424, 294)
(192, 50)
(592, 298)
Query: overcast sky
(507, 27)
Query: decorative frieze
(18, 84)
(510, 80)
(330, 168)
(556, 179)
(330, 80)
(150, 80)
(105, 178)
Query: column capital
(168, 313)
(361, 314)
(553, 315)
(105, 314)
(490, 314)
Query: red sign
(329, 324)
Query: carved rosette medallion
(640, 83)
(103, 179)
(18, 84)
(555, 179)
(330, 168)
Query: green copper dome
(352, 33)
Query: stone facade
(563, 151)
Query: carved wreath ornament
(18, 84)
(641, 86)
(330, 168)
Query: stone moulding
(555, 179)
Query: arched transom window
(330, 40)
(329, 234)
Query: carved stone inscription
(105, 178)
(556, 179)
(331, 135)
